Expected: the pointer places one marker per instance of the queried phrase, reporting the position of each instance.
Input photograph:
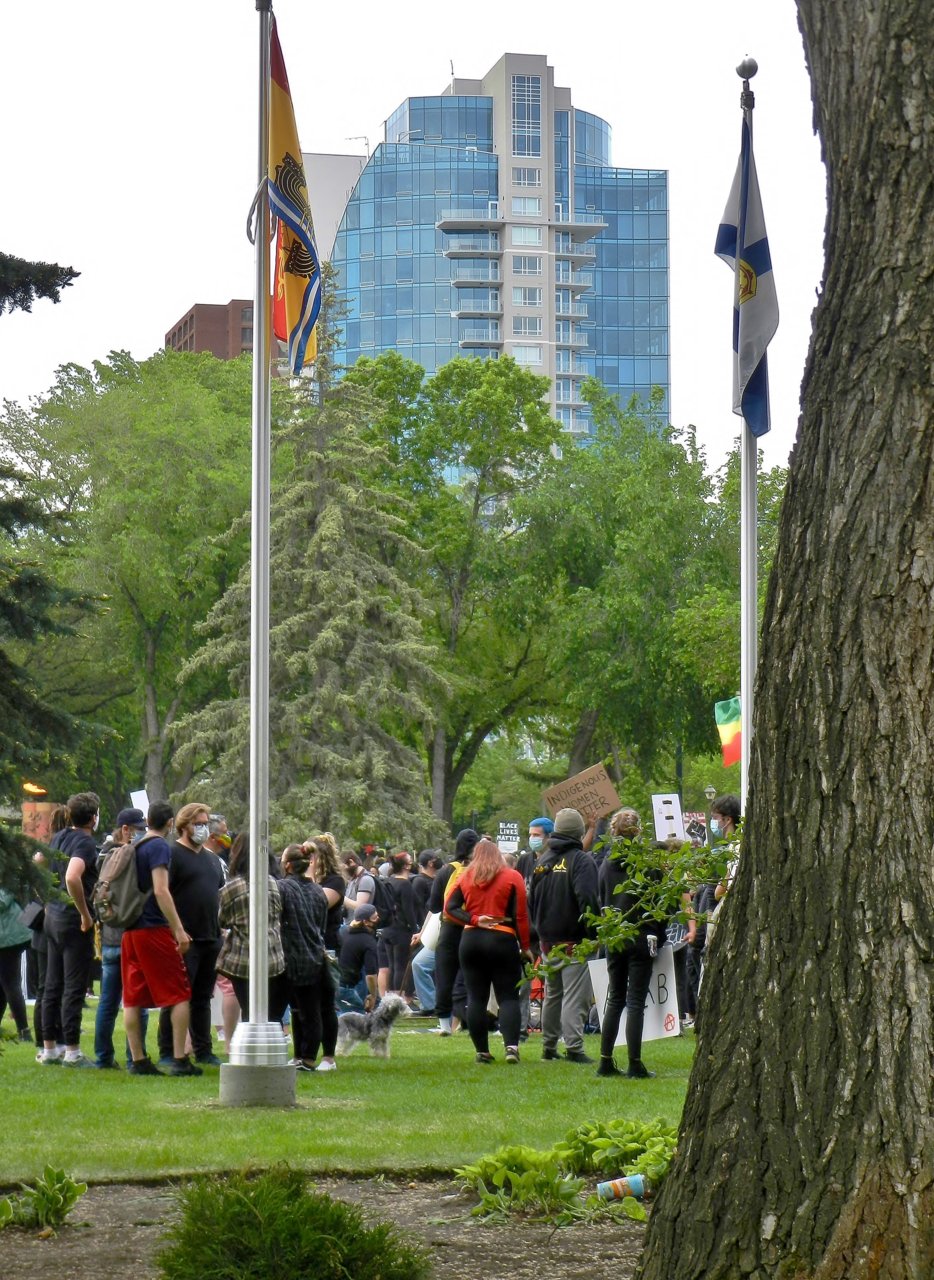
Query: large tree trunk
(807, 1145)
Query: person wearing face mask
(196, 876)
(724, 817)
(539, 831)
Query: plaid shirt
(234, 915)
(304, 916)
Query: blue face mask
(535, 843)
(716, 830)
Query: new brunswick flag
(297, 287)
(729, 726)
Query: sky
(129, 152)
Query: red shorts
(153, 971)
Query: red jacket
(469, 901)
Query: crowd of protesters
(458, 937)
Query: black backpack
(385, 900)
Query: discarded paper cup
(619, 1188)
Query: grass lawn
(430, 1108)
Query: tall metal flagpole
(257, 1073)
(749, 458)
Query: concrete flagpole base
(258, 1074)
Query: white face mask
(200, 833)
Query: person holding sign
(563, 889)
(629, 969)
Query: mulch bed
(115, 1232)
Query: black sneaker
(183, 1067)
(578, 1055)
(24, 1036)
(608, 1067)
(550, 1055)
(208, 1060)
(144, 1067)
(639, 1071)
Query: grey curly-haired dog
(373, 1028)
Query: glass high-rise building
(490, 221)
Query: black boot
(607, 1067)
(639, 1071)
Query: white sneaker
(51, 1057)
(326, 1066)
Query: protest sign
(591, 793)
(661, 1003)
(508, 839)
(669, 823)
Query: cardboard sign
(508, 839)
(661, 1003)
(591, 793)
(669, 823)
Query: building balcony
(573, 369)
(466, 276)
(572, 310)
(574, 280)
(487, 337)
(476, 247)
(577, 251)
(477, 309)
(456, 219)
(580, 225)
(578, 341)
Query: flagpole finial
(746, 70)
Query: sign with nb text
(661, 1003)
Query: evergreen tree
(33, 732)
(350, 670)
(22, 282)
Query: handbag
(33, 916)
(431, 931)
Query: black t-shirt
(75, 843)
(150, 853)
(421, 892)
(195, 882)
(335, 913)
(357, 956)
(403, 919)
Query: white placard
(661, 1003)
(508, 840)
(140, 800)
(668, 820)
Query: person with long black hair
(489, 901)
(449, 938)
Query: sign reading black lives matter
(508, 839)
(590, 792)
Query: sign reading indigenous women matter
(591, 793)
(661, 1002)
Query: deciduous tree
(806, 1149)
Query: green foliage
(47, 1203)
(548, 1186)
(143, 467)
(271, 1227)
(350, 668)
(22, 282)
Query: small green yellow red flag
(729, 726)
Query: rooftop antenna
(360, 137)
(452, 73)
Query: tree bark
(807, 1144)
(579, 758)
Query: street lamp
(709, 791)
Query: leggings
(629, 972)
(488, 958)
(314, 1017)
(447, 964)
(11, 985)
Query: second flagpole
(749, 550)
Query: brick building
(225, 331)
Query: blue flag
(743, 245)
